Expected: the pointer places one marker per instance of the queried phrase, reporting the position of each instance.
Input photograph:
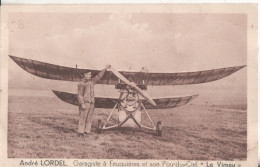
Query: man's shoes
(81, 134)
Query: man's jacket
(86, 89)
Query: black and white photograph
(130, 82)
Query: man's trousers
(85, 118)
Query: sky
(165, 42)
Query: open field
(45, 127)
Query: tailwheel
(99, 127)
(159, 128)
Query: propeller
(132, 85)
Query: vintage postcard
(171, 85)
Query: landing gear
(131, 105)
(159, 128)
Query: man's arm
(100, 74)
(80, 93)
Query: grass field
(45, 127)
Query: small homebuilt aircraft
(133, 100)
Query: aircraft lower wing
(51, 71)
(103, 102)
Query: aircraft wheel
(159, 128)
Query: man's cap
(83, 73)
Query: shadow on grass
(130, 130)
(63, 125)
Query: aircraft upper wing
(51, 71)
(108, 102)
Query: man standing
(86, 100)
